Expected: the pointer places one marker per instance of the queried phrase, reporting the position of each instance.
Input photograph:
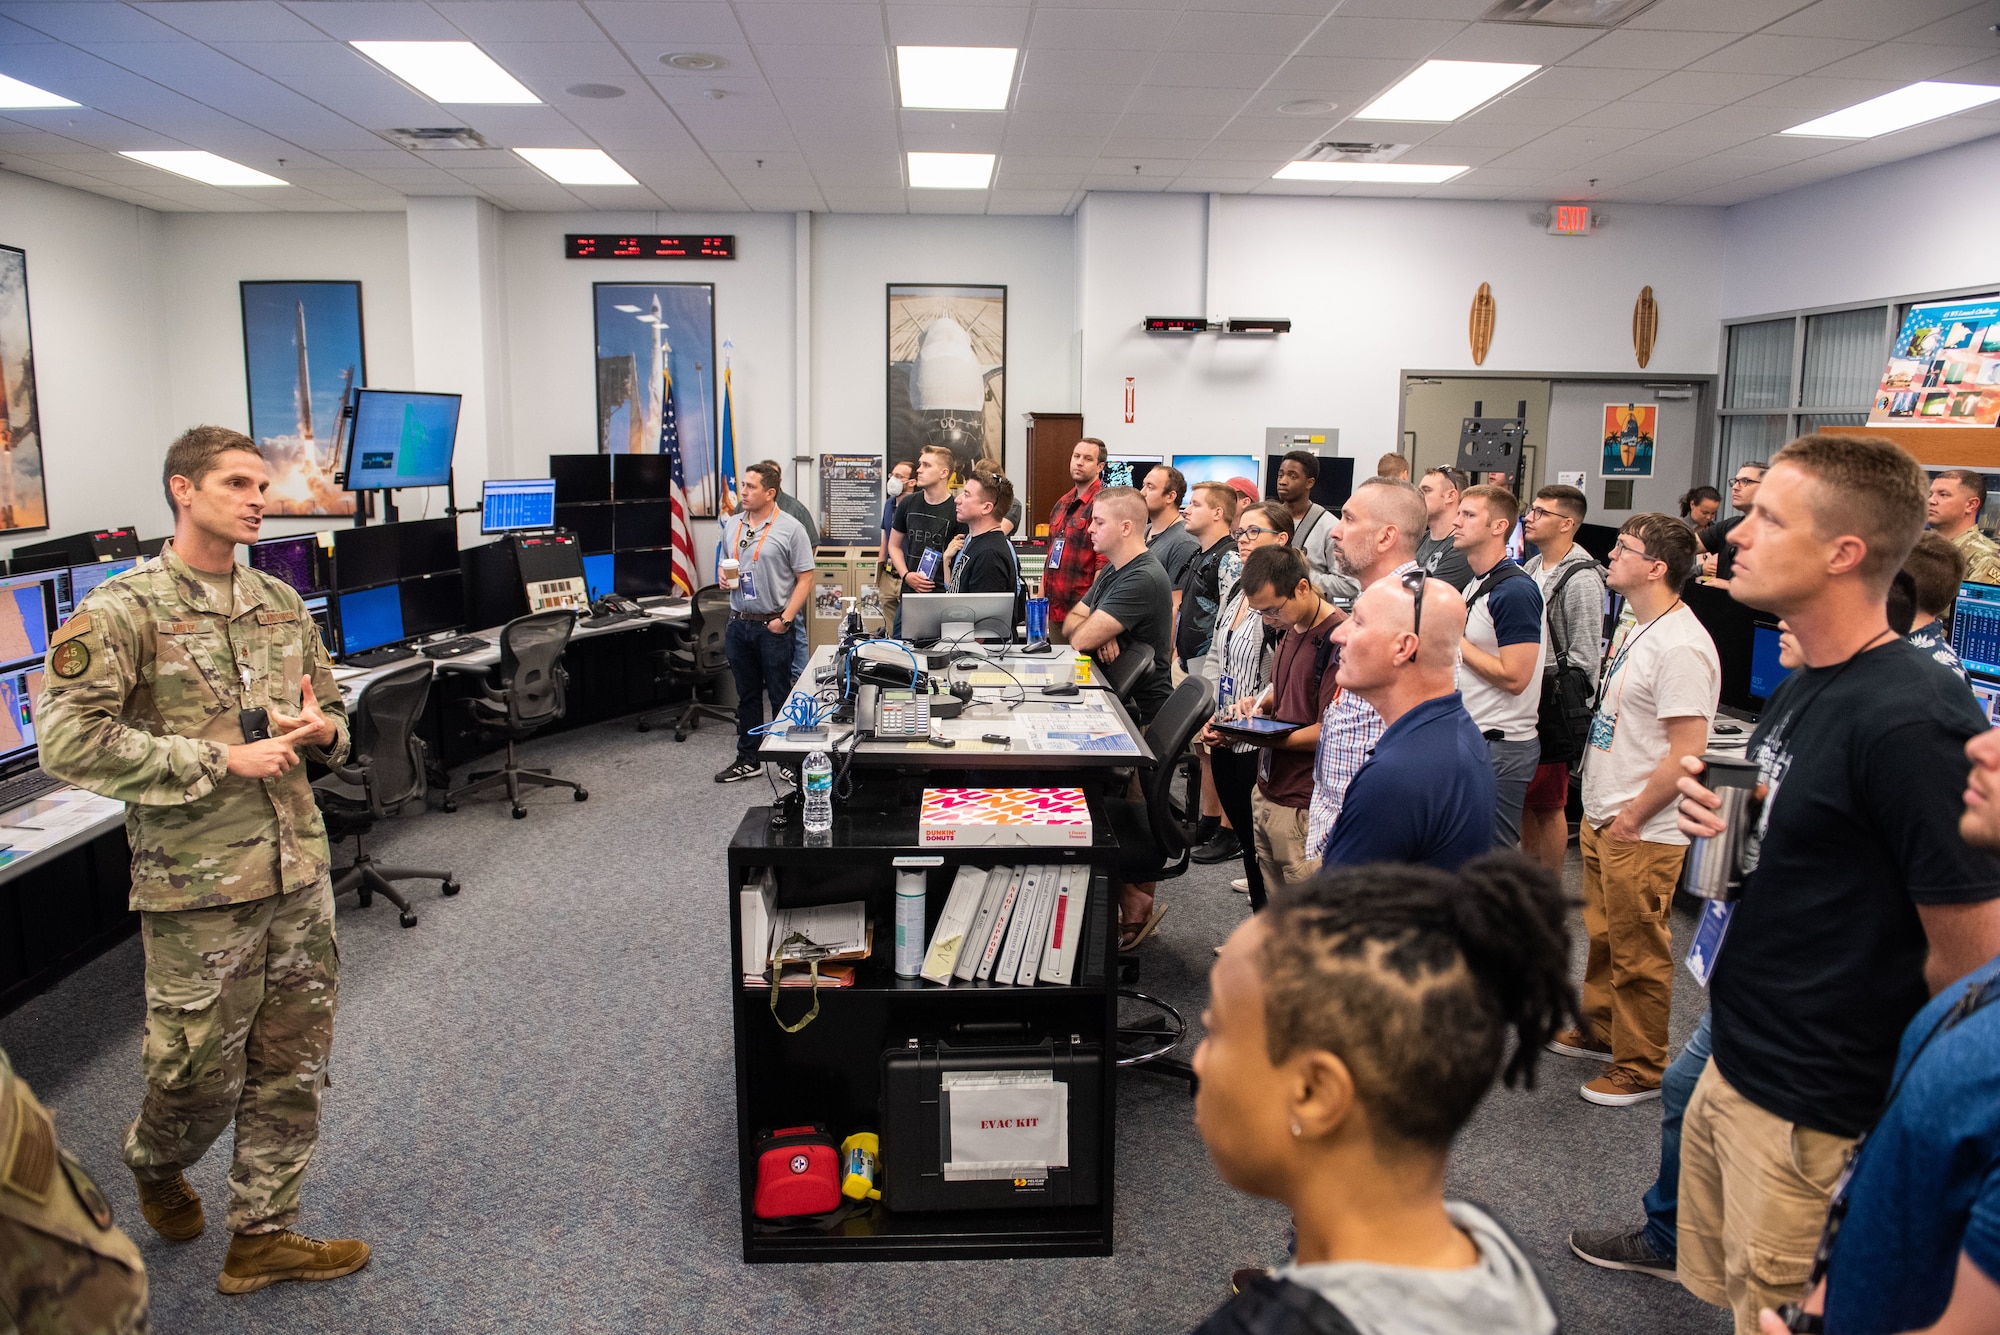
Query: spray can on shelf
(910, 887)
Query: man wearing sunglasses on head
(1720, 562)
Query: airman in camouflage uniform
(143, 701)
(64, 1266)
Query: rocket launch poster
(948, 372)
(656, 377)
(23, 500)
(302, 353)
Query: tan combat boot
(257, 1259)
(171, 1207)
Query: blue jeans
(1676, 1088)
(762, 664)
(801, 650)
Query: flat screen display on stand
(1129, 470)
(1225, 468)
(510, 505)
(299, 561)
(641, 477)
(1975, 629)
(401, 438)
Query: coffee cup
(726, 572)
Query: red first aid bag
(798, 1173)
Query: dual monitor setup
(617, 507)
(1331, 488)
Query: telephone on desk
(614, 607)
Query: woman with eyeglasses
(1239, 663)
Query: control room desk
(63, 905)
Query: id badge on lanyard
(1055, 554)
(747, 582)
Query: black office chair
(1155, 834)
(384, 770)
(700, 659)
(528, 696)
(1124, 672)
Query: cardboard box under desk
(1004, 818)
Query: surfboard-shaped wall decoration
(1645, 326)
(1481, 328)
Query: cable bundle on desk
(801, 711)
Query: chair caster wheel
(409, 920)
(450, 888)
(645, 727)
(680, 736)
(365, 898)
(448, 805)
(520, 813)
(583, 794)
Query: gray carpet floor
(532, 1118)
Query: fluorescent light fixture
(1379, 173)
(956, 78)
(577, 166)
(950, 171)
(1444, 90)
(204, 167)
(1920, 102)
(447, 71)
(14, 93)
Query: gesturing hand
(269, 759)
(311, 727)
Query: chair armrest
(350, 775)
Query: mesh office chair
(384, 770)
(527, 698)
(1155, 835)
(700, 659)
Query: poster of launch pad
(23, 500)
(656, 378)
(947, 372)
(302, 353)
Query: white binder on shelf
(1038, 925)
(982, 924)
(997, 938)
(1066, 925)
(1017, 931)
(961, 906)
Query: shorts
(1549, 789)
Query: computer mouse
(1727, 730)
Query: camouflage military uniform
(231, 875)
(1982, 556)
(64, 1267)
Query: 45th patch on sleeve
(70, 659)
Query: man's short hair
(1397, 501)
(768, 474)
(1937, 567)
(994, 486)
(1665, 538)
(777, 473)
(1103, 450)
(1567, 498)
(1279, 569)
(1307, 461)
(1500, 503)
(1123, 503)
(1973, 482)
(944, 453)
(1176, 481)
(1455, 478)
(193, 456)
(1392, 464)
(1223, 497)
(1867, 487)
(902, 463)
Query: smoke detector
(1566, 13)
(437, 138)
(1354, 152)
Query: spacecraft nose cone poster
(946, 378)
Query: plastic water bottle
(818, 778)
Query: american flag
(681, 526)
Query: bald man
(1427, 793)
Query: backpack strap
(1270, 1306)
(1555, 596)
(1498, 575)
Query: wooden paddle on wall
(1481, 325)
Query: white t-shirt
(1666, 669)
(1511, 613)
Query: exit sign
(1569, 220)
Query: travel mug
(1715, 862)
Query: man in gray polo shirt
(773, 583)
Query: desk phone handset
(616, 604)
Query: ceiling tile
(1871, 20)
(1582, 84)
(958, 25)
(1905, 61)
(1403, 39)
(1714, 90)
(1053, 147)
(1058, 97)
(1762, 53)
(233, 20)
(1520, 42)
(561, 60)
(1001, 202)
(1529, 111)
(1642, 115)
(1641, 50)
(832, 94)
(1816, 94)
(1463, 10)
(822, 23)
(1240, 34)
(674, 26)
(90, 21)
(1970, 28)
(1080, 66)
(1327, 75)
(1101, 29)
(376, 20)
(521, 20)
(824, 62)
(1471, 134)
(1714, 15)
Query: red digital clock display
(607, 246)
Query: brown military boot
(257, 1259)
(171, 1207)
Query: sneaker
(1622, 1251)
(1240, 1280)
(1221, 848)
(171, 1206)
(750, 769)
(1573, 1043)
(1618, 1088)
(258, 1259)
(1241, 885)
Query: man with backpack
(1500, 672)
(1572, 585)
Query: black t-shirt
(927, 526)
(1138, 595)
(1715, 538)
(986, 565)
(1823, 963)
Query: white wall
(1927, 224)
(1373, 287)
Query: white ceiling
(1679, 105)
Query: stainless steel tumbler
(1715, 863)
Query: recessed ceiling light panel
(1444, 90)
(577, 166)
(204, 167)
(1914, 105)
(950, 171)
(448, 71)
(956, 78)
(25, 96)
(1379, 173)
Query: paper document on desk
(1004, 1124)
(49, 820)
(1092, 730)
(836, 929)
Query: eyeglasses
(1640, 552)
(1744, 481)
(1539, 513)
(1413, 580)
(1248, 532)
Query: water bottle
(819, 793)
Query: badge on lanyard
(1707, 944)
(747, 581)
(1055, 554)
(1602, 729)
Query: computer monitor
(641, 477)
(425, 547)
(19, 690)
(648, 574)
(433, 603)
(591, 525)
(1975, 628)
(641, 524)
(298, 561)
(24, 619)
(1517, 540)
(1986, 691)
(1765, 669)
(926, 614)
(72, 583)
(1597, 539)
(364, 557)
(581, 478)
(401, 438)
(370, 618)
(600, 574)
(322, 616)
(1216, 468)
(1129, 470)
(513, 504)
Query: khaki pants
(1628, 974)
(239, 1021)
(1280, 840)
(1754, 1192)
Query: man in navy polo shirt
(1427, 793)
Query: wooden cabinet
(1052, 437)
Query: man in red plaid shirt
(1072, 561)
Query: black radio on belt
(256, 724)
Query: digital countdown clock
(607, 246)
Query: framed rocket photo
(656, 377)
(948, 372)
(1629, 432)
(302, 352)
(23, 496)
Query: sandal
(1140, 931)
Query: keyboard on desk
(457, 647)
(26, 787)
